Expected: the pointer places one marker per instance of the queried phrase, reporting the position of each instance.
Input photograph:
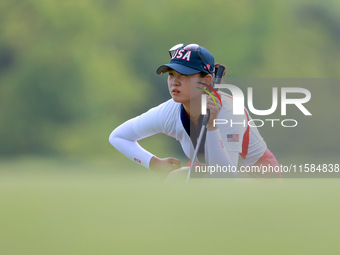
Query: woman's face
(183, 88)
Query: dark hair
(203, 74)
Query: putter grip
(219, 75)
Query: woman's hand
(214, 111)
(164, 165)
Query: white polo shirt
(169, 118)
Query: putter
(217, 80)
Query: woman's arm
(224, 141)
(124, 138)
(218, 155)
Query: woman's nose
(175, 81)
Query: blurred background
(71, 71)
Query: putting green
(68, 207)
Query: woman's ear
(208, 79)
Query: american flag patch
(232, 138)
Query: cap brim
(178, 68)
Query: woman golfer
(191, 68)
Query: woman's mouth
(175, 91)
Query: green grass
(96, 207)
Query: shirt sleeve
(232, 128)
(218, 155)
(124, 138)
(225, 143)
